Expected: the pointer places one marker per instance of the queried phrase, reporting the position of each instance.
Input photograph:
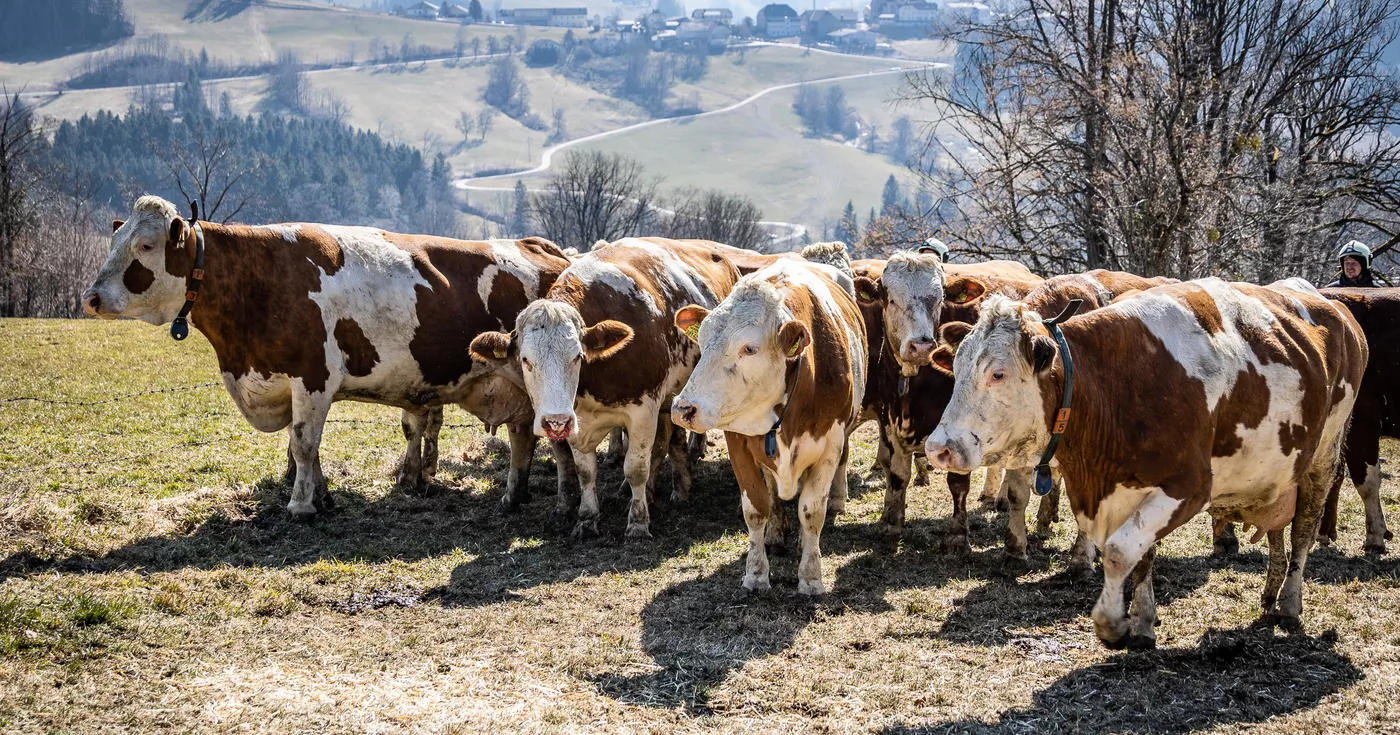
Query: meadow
(150, 580)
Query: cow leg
(1049, 511)
(1225, 543)
(1362, 453)
(811, 513)
(839, 491)
(680, 451)
(636, 467)
(309, 412)
(617, 447)
(522, 451)
(1376, 531)
(991, 494)
(567, 496)
(587, 464)
(323, 491)
(896, 468)
(776, 535)
(1018, 493)
(757, 510)
(1306, 518)
(696, 444)
(1142, 613)
(430, 444)
(1278, 569)
(660, 450)
(415, 423)
(957, 542)
(1127, 546)
(881, 468)
(1081, 555)
(922, 469)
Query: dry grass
(150, 589)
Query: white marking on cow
(486, 283)
(596, 270)
(511, 260)
(290, 233)
(1127, 525)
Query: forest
(35, 28)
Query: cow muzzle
(950, 455)
(557, 426)
(918, 349)
(92, 302)
(687, 415)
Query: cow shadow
(1230, 678)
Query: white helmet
(1356, 249)
(934, 246)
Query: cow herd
(1145, 401)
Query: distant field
(151, 581)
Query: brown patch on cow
(360, 355)
(138, 277)
(1245, 405)
(1200, 302)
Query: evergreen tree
(474, 10)
(890, 198)
(520, 217)
(847, 229)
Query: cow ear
(177, 231)
(604, 339)
(493, 348)
(117, 224)
(793, 338)
(942, 359)
(869, 291)
(688, 320)
(963, 289)
(1042, 352)
(953, 333)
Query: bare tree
(20, 143)
(714, 215)
(594, 196)
(207, 165)
(485, 120)
(1186, 138)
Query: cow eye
(749, 350)
(525, 363)
(998, 376)
(147, 247)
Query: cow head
(746, 345)
(997, 414)
(145, 274)
(910, 297)
(550, 345)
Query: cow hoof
(1080, 570)
(301, 511)
(1287, 623)
(324, 501)
(996, 505)
(679, 499)
(1225, 546)
(957, 545)
(509, 505)
(1044, 531)
(756, 586)
(1373, 548)
(1013, 565)
(559, 519)
(1136, 643)
(638, 533)
(891, 530)
(585, 529)
(811, 589)
(834, 509)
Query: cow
(1201, 395)
(781, 372)
(1377, 411)
(302, 315)
(901, 302)
(601, 350)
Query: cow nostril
(942, 458)
(93, 302)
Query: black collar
(180, 328)
(1043, 481)
(770, 440)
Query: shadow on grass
(1231, 677)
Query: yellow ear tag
(792, 352)
(865, 296)
(693, 331)
(500, 354)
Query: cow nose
(92, 302)
(558, 425)
(684, 411)
(918, 346)
(942, 458)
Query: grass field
(149, 580)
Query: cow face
(746, 345)
(996, 415)
(910, 294)
(550, 345)
(145, 274)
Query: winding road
(794, 231)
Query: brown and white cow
(786, 351)
(901, 301)
(303, 315)
(1201, 395)
(1377, 411)
(601, 350)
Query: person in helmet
(1355, 259)
(934, 246)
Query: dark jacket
(1365, 280)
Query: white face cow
(551, 344)
(134, 281)
(910, 293)
(746, 345)
(996, 415)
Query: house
(778, 21)
(422, 10)
(967, 12)
(720, 15)
(854, 38)
(710, 34)
(558, 17)
(917, 13)
(818, 24)
(849, 17)
(453, 10)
